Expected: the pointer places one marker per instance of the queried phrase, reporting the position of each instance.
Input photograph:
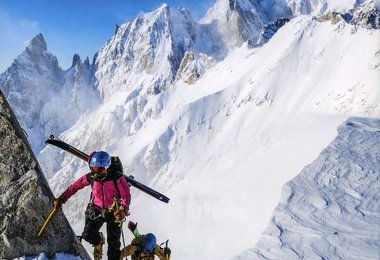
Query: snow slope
(331, 210)
(222, 148)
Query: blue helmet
(100, 159)
(149, 242)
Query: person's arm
(127, 251)
(73, 188)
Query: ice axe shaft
(46, 221)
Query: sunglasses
(99, 170)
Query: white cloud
(377, 4)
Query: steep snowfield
(222, 148)
(331, 210)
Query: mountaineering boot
(98, 249)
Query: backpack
(116, 165)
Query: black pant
(92, 235)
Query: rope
(122, 235)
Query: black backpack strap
(116, 171)
(117, 188)
(91, 180)
(116, 175)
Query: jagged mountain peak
(58, 95)
(37, 53)
(37, 44)
(76, 60)
(162, 12)
(145, 45)
(163, 7)
(87, 62)
(34, 73)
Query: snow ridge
(331, 210)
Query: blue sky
(72, 26)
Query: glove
(57, 203)
(132, 226)
(120, 214)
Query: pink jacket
(103, 192)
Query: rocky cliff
(25, 199)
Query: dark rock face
(25, 199)
(270, 29)
(365, 15)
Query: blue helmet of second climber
(149, 242)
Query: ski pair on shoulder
(115, 165)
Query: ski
(130, 179)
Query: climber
(144, 246)
(109, 202)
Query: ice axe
(46, 221)
(167, 250)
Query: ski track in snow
(332, 209)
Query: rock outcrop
(193, 66)
(363, 15)
(269, 30)
(25, 199)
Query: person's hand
(132, 226)
(57, 203)
(120, 214)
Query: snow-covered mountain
(44, 97)
(31, 80)
(220, 126)
(239, 21)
